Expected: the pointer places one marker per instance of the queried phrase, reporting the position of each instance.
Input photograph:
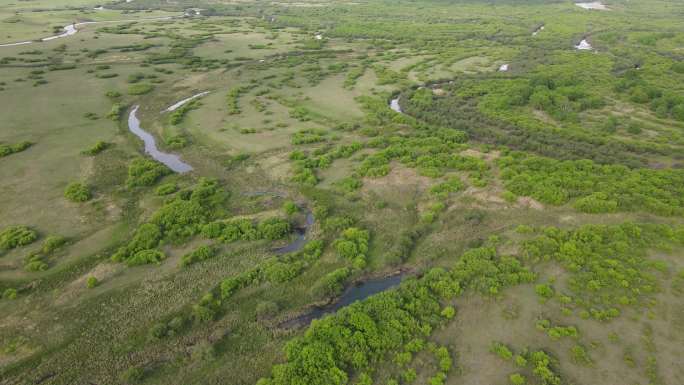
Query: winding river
(72, 29)
(172, 161)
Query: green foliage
(607, 264)
(332, 283)
(9, 293)
(232, 99)
(580, 356)
(166, 189)
(52, 243)
(544, 291)
(442, 190)
(356, 337)
(115, 112)
(132, 375)
(448, 312)
(7, 149)
(15, 236)
(96, 148)
(140, 89)
(353, 246)
(77, 192)
(517, 379)
(501, 350)
(145, 172)
(308, 136)
(144, 257)
(600, 188)
(201, 253)
(246, 230)
(91, 282)
(290, 207)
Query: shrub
(15, 236)
(517, 379)
(290, 207)
(91, 282)
(145, 172)
(166, 188)
(332, 283)
(132, 375)
(200, 254)
(140, 89)
(52, 243)
(143, 257)
(273, 228)
(501, 350)
(77, 192)
(6, 149)
(266, 309)
(96, 148)
(10, 293)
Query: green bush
(15, 236)
(143, 257)
(140, 89)
(52, 243)
(77, 192)
(9, 293)
(145, 172)
(166, 188)
(6, 149)
(96, 148)
(91, 282)
(202, 253)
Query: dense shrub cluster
(9, 149)
(596, 188)
(607, 264)
(179, 113)
(145, 172)
(353, 246)
(306, 164)
(199, 254)
(77, 192)
(179, 218)
(246, 229)
(274, 270)
(96, 148)
(356, 338)
(16, 236)
(665, 104)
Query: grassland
(538, 209)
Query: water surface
(180, 103)
(358, 292)
(172, 161)
(593, 5)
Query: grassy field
(539, 209)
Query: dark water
(355, 293)
(300, 241)
(172, 161)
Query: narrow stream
(172, 161)
(72, 29)
(536, 32)
(354, 293)
(394, 105)
(300, 241)
(182, 102)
